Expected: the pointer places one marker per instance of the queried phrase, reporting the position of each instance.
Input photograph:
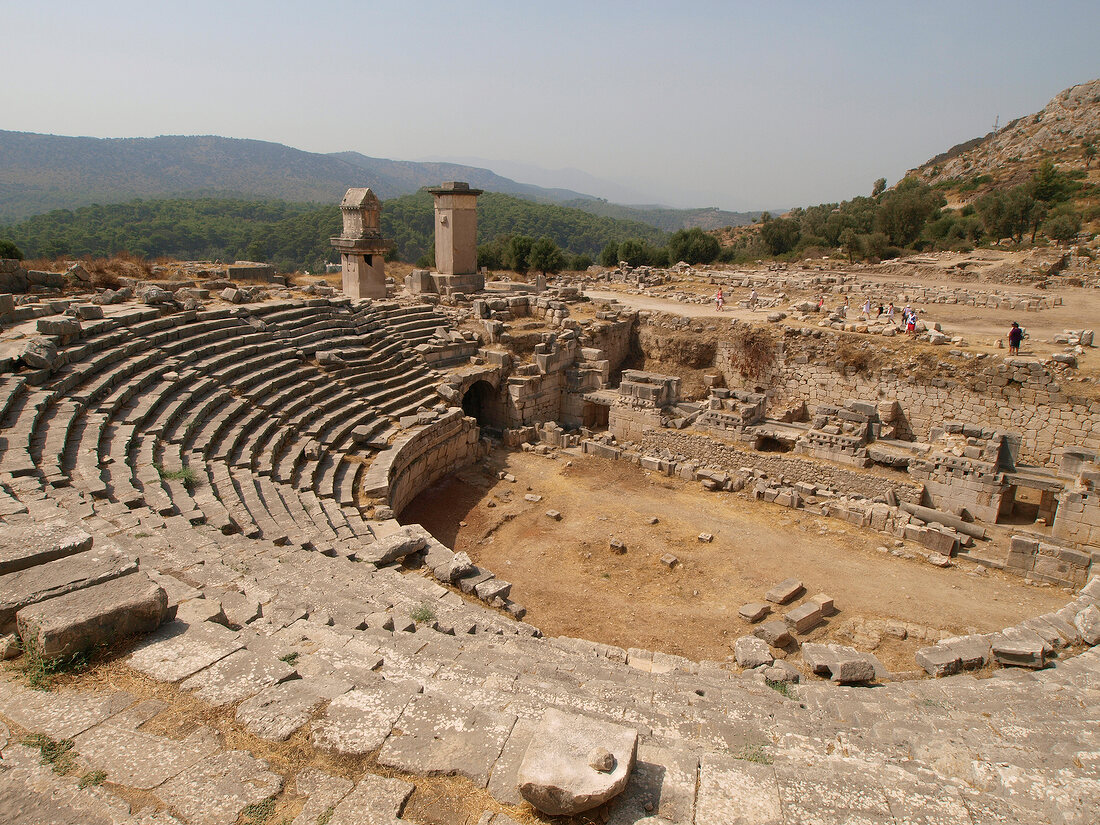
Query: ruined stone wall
(706, 451)
(421, 458)
(615, 338)
(1009, 394)
(1078, 518)
(532, 399)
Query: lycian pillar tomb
(361, 245)
(456, 238)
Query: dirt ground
(573, 585)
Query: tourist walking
(753, 299)
(719, 299)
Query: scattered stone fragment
(669, 560)
(532, 498)
(617, 546)
(824, 603)
(706, 538)
(786, 591)
(938, 560)
(652, 520)
(602, 760)
(556, 775)
(553, 514)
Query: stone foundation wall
(1078, 517)
(418, 460)
(705, 451)
(1008, 394)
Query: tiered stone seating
(285, 621)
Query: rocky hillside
(1007, 157)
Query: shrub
(10, 250)
(422, 613)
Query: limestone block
(775, 633)
(786, 591)
(804, 618)
(938, 660)
(754, 611)
(556, 774)
(391, 548)
(94, 616)
(751, 651)
(1019, 652)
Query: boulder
(155, 296)
(556, 774)
(40, 353)
(1087, 622)
(460, 567)
(94, 616)
(392, 548)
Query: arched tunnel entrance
(480, 403)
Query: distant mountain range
(39, 173)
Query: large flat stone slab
(178, 650)
(832, 792)
(277, 711)
(138, 759)
(436, 735)
(376, 800)
(561, 773)
(58, 577)
(359, 721)
(239, 675)
(216, 790)
(737, 792)
(28, 545)
(130, 606)
(58, 714)
(662, 786)
(322, 792)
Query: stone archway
(480, 403)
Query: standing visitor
(719, 300)
(1015, 336)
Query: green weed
(55, 752)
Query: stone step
(55, 578)
(30, 544)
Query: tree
(516, 252)
(545, 256)
(579, 263)
(903, 212)
(1090, 153)
(849, 240)
(10, 250)
(693, 246)
(878, 188)
(780, 235)
(1048, 184)
(609, 255)
(874, 245)
(1063, 225)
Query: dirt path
(573, 585)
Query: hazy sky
(739, 105)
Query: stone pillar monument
(456, 237)
(361, 245)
